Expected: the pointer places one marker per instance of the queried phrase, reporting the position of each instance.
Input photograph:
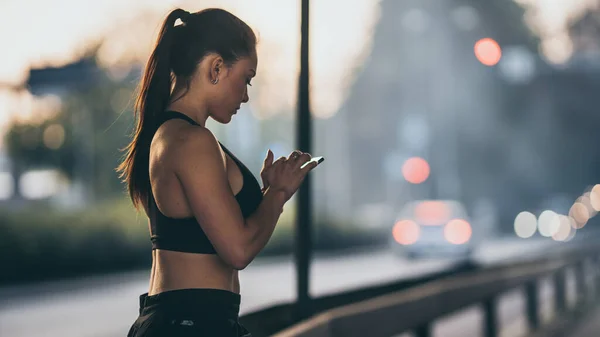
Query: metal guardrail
(273, 319)
(416, 309)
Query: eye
(248, 82)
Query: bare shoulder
(197, 139)
(193, 147)
(178, 145)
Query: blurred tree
(48, 144)
(102, 118)
(84, 139)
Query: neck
(193, 108)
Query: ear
(217, 66)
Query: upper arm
(200, 168)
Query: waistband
(193, 301)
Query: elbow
(240, 265)
(239, 259)
(237, 253)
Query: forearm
(261, 224)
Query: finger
(280, 160)
(303, 159)
(269, 159)
(309, 167)
(295, 155)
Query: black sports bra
(186, 235)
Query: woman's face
(228, 94)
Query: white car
(433, 228)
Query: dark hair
(177, 53)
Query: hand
(264, 173)
(286, 174)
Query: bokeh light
(565, 230)
(580, 214)
(54, 136)
(525, 224)
(457, 231)
(40, 184)
(557, 49)
(586, 200)
(415, 170)
(595, 197)
(548, 223)
(488, 51)
(406, 232)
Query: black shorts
(189, 313)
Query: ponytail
(153, 98)
(229, 37)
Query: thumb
(269, 158)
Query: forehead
(248, 63)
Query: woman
(208, 215)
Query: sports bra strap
(170, 114)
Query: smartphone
(319, 160)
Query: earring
(215, 81)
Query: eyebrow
(253, 72)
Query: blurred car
(433, 228)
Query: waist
(177, 270)
(193, 302)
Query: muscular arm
(204, 181)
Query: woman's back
(187, 259)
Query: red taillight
(457, 231)
(406, 232)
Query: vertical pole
(490, 328)
(303, 242)
(533, 316)
(581, 281)
(560, 292)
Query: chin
(222, 119)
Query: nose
(245, 99)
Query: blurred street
(105, 306)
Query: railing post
(423, 330)
(560, 291)
(532, 302)
(490, 328)
(581, 283)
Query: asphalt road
(106, 305)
